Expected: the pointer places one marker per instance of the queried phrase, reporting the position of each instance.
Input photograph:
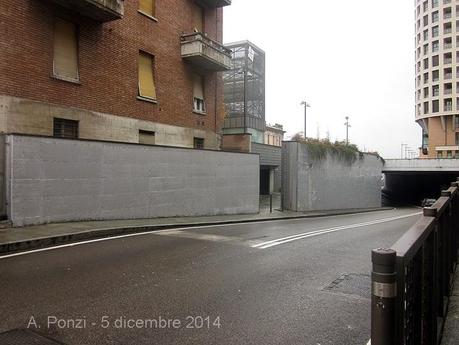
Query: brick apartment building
(141, 71)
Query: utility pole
(347, 124)
(401, 150)
(306, 106)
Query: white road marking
(199, 236)
(156, 232)
(369, 342)
(283, 240)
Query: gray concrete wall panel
(56, 180)
(329, 183)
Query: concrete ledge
(78, 235)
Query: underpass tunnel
(410, 188)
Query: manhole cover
(352, 284)
(25, 337)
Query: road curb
(43, 242)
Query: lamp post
(306, 106)
(347, 124)
(401, 150)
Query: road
(283, 282)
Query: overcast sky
(351, 58)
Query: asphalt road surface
(283, 282)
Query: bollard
(383, 296)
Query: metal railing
(412, 280)
(199, 36)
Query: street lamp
(348, 125)
(401, 151)
(306, 106)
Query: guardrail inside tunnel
(412, 280)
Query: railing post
(383, 296)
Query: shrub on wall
(319, 148)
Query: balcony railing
(214, 3)
(205, 53)
(99, 10)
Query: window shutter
(65, 50)
(146, 79)
(198, 18)
(147, 7)
(198, 89)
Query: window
(435, 17)
(425, 20)
(449, 154)
(426, 63)
(426, 49)
(198, 94)
(147, 87)
(425, 6)
(447, 58)
(146, 137)
(448, 88)
(198, 143)
(426, 107)
(448, 104)
(148, 7)
(447, 43)
(65, 62)
(434, 31)
(434, 3)
(426, 35)
(425, 139)
(447, 13)
(457, 122)
(435, 61)
(435, 106)
(426, 92)
(63, 128)
(435, 75)
(435, 46)
(426, 78)
(439, 154)
(447, 73)
(435, 90)
(457, 141)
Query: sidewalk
(451, 330)
(39, 236)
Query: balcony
(205, 53)
(214, 3)
(99, 10)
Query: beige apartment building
(274, 135)
(437, 76)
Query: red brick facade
(108, 61)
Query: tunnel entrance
(410, 188)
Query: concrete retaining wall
(55, 180)
(328, 184)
